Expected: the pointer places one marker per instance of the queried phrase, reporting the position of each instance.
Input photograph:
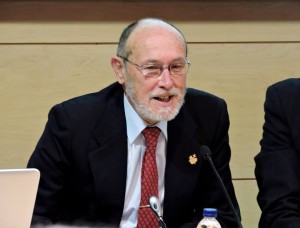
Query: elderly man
(102, 155)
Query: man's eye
(152, 67)
(177, 66)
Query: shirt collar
(135, 124)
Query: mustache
(163, 92)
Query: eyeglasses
(155, 70)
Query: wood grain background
(51, 51)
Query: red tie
(149, 179)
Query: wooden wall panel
(102, 21)
(241, 73)
(246, 192)
(109, 32)
(190, 10)
(35, 77)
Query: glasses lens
(151, 70)
(179, 69)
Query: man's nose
(166, 79)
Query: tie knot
(151, 135)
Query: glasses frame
(162, 68)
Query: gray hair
(124, 51)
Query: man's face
(155, 98)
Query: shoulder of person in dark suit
(277, 165)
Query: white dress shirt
(136, 149)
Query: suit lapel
(109, 161)
(180, 175)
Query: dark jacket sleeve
(50, 158)
(277, 165)
(82, 167)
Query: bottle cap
(210, 212)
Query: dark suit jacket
(278, 164)
(82, 156)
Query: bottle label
(209, 224)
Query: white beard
(144, 110)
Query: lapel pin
(193, 159)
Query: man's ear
(119, 68)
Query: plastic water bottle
(209, 220)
